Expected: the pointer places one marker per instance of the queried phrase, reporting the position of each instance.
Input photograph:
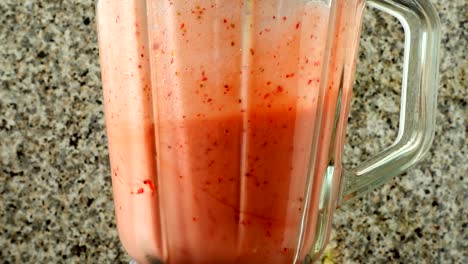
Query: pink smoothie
(130, 125)
(210, 146)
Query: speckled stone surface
(55, 193)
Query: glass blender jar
(226, 122)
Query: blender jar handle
(418, 98)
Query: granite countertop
(55, 192)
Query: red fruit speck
(150, 184)
(140, 191)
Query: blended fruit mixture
(210, 112)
